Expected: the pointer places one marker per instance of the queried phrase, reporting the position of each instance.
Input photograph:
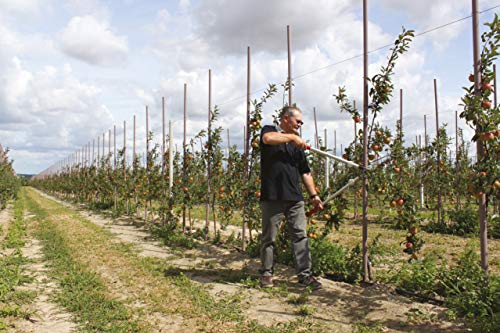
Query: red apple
(489, 136)
(486, 104)
(487, 86)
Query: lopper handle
(340, 159)
(312, 211)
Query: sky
(71, 70)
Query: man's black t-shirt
(281, 169)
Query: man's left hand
(317, 202)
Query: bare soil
(46, 316)
(5, 218)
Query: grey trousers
(272, 215)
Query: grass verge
(12, 272)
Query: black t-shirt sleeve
(266, 129)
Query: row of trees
(398, 182)
(410, 179)
(9, 182)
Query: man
(283, 164)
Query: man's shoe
(310, 281)
(266, 282)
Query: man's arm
(276, 138)
(311, 189)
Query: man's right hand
(299, 142)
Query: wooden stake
(355, 203)
(170, 158)
(115, 195)
(495, 85)
(147, 164)
(184, 145)
(289, 47)
(457, 162)
(109, 147)
(246, 135)
(425, 131)
(98, 150)
(327, 163)
(114, 145)
(133, 147)
(483, 230)
(124, 166)
(366, 267)
(207, 202)
(133, 167)
(401, 114)
(228, 143)
(438, 152)
(316, 136)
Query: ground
(207, 288)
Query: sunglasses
(300, 122)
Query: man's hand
(317, 202)
(299, 142)
(276, 138)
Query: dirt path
(5, 217)
(47, 316)
(338, 307)
(30, 285)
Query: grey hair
(289, 111)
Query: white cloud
(427, 14)
(48, 110)
(94, 42)
(89, 7)
(184, 5)
(146, 97)
(13, 43)
(20, 6)
(231, 25)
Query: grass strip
(81, 291)
(17, 229)
(12, 272)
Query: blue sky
(71, 71)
